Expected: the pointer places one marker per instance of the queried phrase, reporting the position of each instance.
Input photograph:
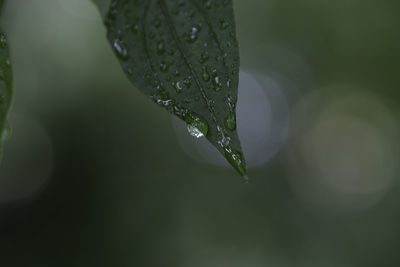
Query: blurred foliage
(87, 182)
(5, 85)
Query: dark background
(94, 174)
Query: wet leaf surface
(184, 56)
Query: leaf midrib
(176, 38)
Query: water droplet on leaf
(193, 131)
(3, 40)
(236, 159)
(223, 24)
(164, 67)
(206, 76)
(193, 34)
(216, 80)
(120, 49)
(203, 58)
(196, 126)
(178, 87)
(160, 47)
(230, 121)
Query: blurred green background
(94, 174)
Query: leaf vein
(165, 10)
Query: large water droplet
(193, 131)
(196, 126)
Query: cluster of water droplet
(234, 157)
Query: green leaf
(5, 86)
(184, 56)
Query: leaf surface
(184, 56)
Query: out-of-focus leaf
(184, 56)
(5, 85)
